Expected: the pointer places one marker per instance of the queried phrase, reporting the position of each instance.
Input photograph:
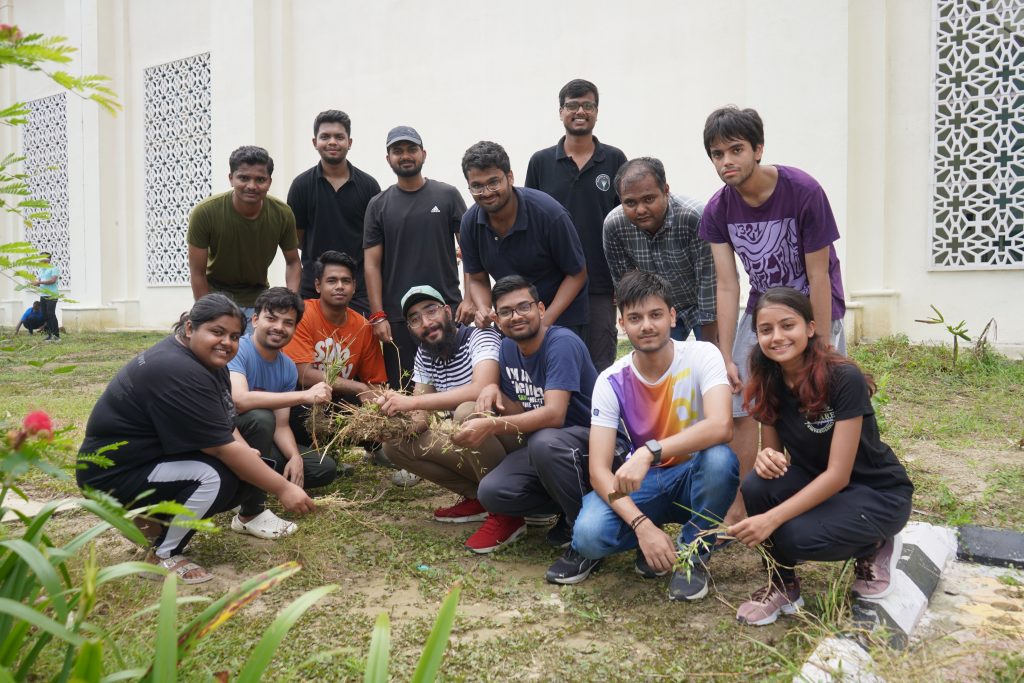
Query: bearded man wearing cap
(454, 363)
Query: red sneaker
(496, 531)
(466, 510)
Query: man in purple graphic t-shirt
(777, 219)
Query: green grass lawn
(959, 433)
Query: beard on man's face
(444, 345)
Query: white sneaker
(404, 478)
(265, 525)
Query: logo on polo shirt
(435, 209)
(603, 182)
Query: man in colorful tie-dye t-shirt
(674, 401)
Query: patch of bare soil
(964, 471)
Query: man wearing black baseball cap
(409, 239)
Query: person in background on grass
(234, 236)
(453, 365)
(577, 172)
(841, 493)
(777, 219)
(332, 337)
(547, 378)
(673, 398)
(46, 280)
(172, 407)
(263, 384)
(32, 319)
(409, 239)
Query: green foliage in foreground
(386, 554)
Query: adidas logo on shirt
(435, 209)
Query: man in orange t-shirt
(331, 333)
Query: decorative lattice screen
(978, 199)
(45, 146)
(179, 169)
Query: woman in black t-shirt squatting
(842, 493)
(172, 406)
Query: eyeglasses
(490, 186)
(573, 106)
(417, 320)
(522, 309)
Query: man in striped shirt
(453, 364)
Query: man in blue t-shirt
(32, 319)
(46, 280)
(544, 397)
(262, 387)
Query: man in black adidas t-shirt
(409, 239)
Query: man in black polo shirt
(329, 202)
(578, 172)
(409, 240)
(520, 231)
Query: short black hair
(279, 300)
(637, 285)
(512, 283)
(251, 155)
(577, 87)
(635, 169)
(332, 116)
(333, 258)
(485, 154)
(733, 123)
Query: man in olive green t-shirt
(234, 236)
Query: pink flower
(37, 421)
(9, 32)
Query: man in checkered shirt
(655, 231)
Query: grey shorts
(746, 339)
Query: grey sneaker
(404, 478)
(570, 568)
(645, 570)
(694, 587)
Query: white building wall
(843, 87)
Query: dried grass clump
(355, 424)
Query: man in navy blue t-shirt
(519, 231)
(547, 379)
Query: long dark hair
(209, 307)
(761, 395)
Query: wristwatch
(655, 448)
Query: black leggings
(852, 523)
(200, 482)
(49, 306)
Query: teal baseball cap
(417, 294)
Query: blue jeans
(681, 330)
(706, 484)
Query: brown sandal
(181, 566)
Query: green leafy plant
(433, 652)
(958, 331)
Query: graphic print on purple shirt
(771, 253)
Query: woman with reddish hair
(841, 493)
